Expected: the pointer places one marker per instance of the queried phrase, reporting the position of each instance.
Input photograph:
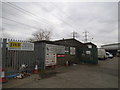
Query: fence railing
(13, 56)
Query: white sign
(28, 46)
(14, 45)
(50, 58)
(51, 53)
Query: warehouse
(77, 52)
(112, 48)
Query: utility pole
(86, 35)
(74, 34)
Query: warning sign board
(14, 44)
(20, 46)
(50, 55)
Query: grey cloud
(98, 18)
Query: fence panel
(16, 55)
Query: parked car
(102, 54)
(109, 55)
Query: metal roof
(114, 46)
(111, 44)
(67, 40)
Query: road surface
(103, 75)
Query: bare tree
(41, 34)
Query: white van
(102, 54)
(109, 55)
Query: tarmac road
(102, 75)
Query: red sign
(60, 55)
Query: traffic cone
(53, 68)
(36, 69)
(66, 63)
(3, 78)
(72, 64)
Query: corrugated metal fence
(13, 59)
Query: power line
(28, 12)
(61, 11)
(23, 24)
(86, 36)
(21, 9)
(16, 17)
(14, 13)
(25, 11)
(19, 22)
(36, 15)
(91, 35)
(60, 19)
(74, 34)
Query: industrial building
(45, 54)
(71, 47)
(57, 53)
(77, 52)
(112, 48)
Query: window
(67, 50)
(88, 52)
(89, 46)
(72, 50)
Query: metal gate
(14, 56)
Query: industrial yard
(102, 75)
(59, 44)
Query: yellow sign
(14, 44)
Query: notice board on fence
(16, 45)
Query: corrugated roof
(111, 44)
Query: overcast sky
(100, 19)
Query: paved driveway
(103, 75)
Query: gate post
(4, 48)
